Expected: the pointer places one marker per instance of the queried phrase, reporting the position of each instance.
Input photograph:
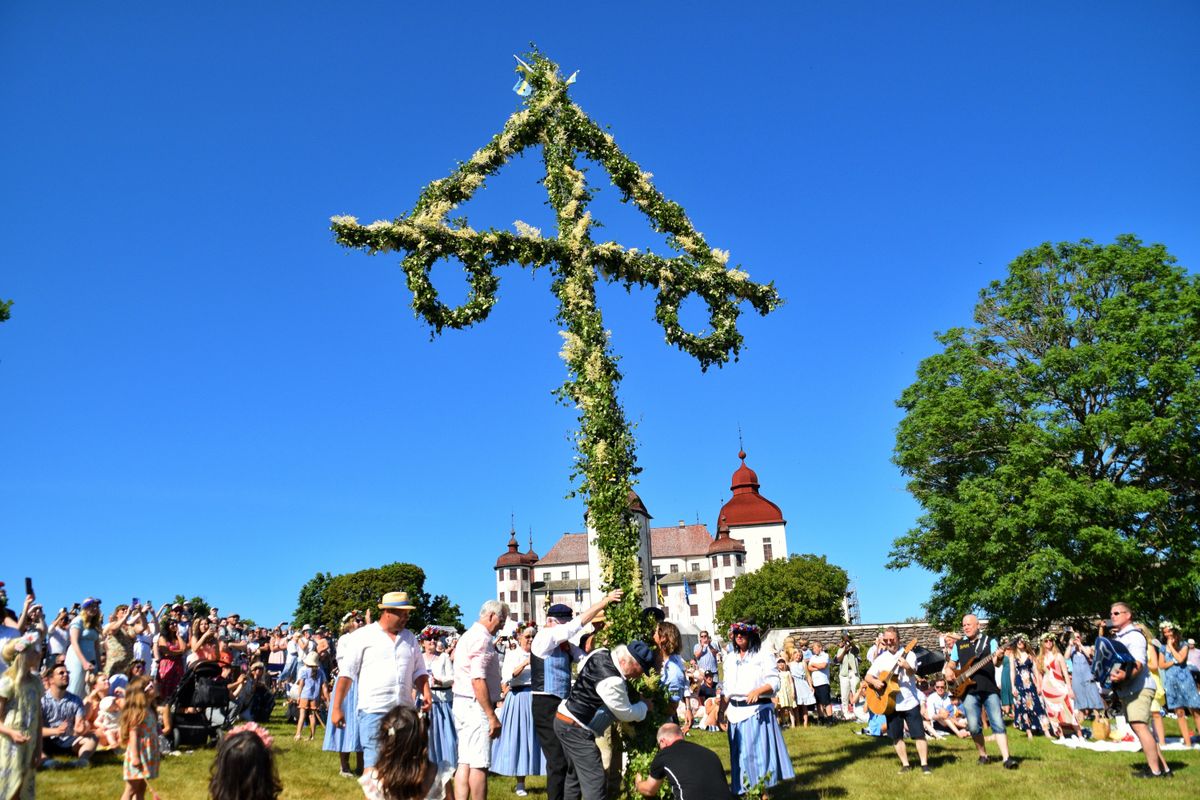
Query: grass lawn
(828, 763)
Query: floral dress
(145, 739)
(23, 713)
(1028, 711)
(1177, 681)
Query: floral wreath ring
(747, 628)
(262, 733)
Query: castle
(685, 570)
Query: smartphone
(134, 604)
(29, 587)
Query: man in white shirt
(908, 704)
(939, 710)
(384, 662)
(1135, 691)
(476, 693)
(551, 656)
(818, 670)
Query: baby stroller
(200, 706)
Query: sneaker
(983, 761)
(1145, 773)
(925, 770)
(520, 791)
(905, 768)
(346, 774)
(1010, 763)
(1166, 773)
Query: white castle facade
(685, 570)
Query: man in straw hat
(384, 661)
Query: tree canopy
(5, 305)
(1055, 445)
(787, 593)
(326, 598)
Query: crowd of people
(433, 713)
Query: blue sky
(200, 392)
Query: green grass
(829, 763)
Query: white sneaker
(520, 791)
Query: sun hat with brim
(398, 601)
(311, 660)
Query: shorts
(897, 721)
(368, 735)
(1137, 707)
(822, 694)
(59, 745)
(471, 724)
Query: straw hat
(398, 601)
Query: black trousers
(544, 708)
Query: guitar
(962, 684)
(883, 701)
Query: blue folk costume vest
(552, 675)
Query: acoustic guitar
(883, 701)
(963, 682)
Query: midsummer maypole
(605, 461)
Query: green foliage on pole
(605, 462)
(787, 593)
(1055, 445)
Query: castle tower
(637, 510)
(727, 561)
(514, 575)
(753, 519)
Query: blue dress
(1028, 712)
(1087, 691)
(345, 740)
(1178, 683)
(89, 638)
(517, 751)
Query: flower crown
(1047, 637)
(23, 643)
(1166, 625)
(262, 733)
(530, 626)
(429, 633)
(743, 627)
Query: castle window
(716, 584)
(524, 597)
(739, 559)
(674, 568)
(714, 560)
(512, 596)
(566, 574)
(658, 569)
(767, 556)
(725, 560)
(545, 576)
(695, 566)
(512, 574)
(728, 584)
(513, 616)
(695, 610)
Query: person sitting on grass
(139, 734)
(64, 722)
(244, 768)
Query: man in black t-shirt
(694, 772)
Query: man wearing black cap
(551, 655)
(600, 695)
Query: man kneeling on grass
(694, 771)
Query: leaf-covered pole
(605, 459)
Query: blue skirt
(1087, 691)
(345, 740)
(756, 749)
(1180, 688)
(517, 751)
(443, 739)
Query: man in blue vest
(600, 695)
(551, 656)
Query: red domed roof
(530, 557)
(747, 506)
(514, 557)
(724, 543)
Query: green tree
(310, 606)
(200, 606)
(1055, 445)
(786, 593)
(5, 305)
(362, 590)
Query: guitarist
(903, 669)
(984, 695)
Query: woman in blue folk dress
(517, 751)
(756, 749)
(1087, 691)
(443, 737)
(345, 740)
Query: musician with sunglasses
(907, 713)
(984, 696)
